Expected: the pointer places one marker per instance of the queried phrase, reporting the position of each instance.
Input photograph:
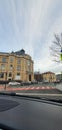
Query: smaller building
(38, 76)
(49, 77)
(45, 77)
(59, 77)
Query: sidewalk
(59, 86)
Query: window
(4, 59)
(11, 59)
(10, 74)
(29, 68)
(18, 68)
(2, 67)
(28, 62)
(11, 67)
(18, 74)
(1, 75)
(18, 61)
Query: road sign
(61, 55)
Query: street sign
(61, 55)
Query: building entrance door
(30, 77)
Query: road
(39, 90)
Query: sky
(31, 25)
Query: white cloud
(33, 24)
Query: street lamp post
(5, 79)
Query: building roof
(49, 72)
(20, 52)
(4, 53)
(43, 73)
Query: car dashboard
(25, 113)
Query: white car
(14, 83)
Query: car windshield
(31, 47)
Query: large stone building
(16, 66)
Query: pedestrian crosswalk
(27, 88)
(30, 88)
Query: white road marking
(42, 87)
(38, 88)
(27, 88)
(48, 87)
(32, 88)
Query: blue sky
(31, 24)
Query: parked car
(34, 82)
(25, 83)
(14, 83)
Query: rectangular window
(11, 59)
(4, 59)
(1, 75)
(10, 74)
(18, 74)
(18, 68)
(18, 61)
(2, 67)
(11, 67)
(29, 68)
(28, 62)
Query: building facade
(59, 77)
(16, 66)
(45, 77)
(49, 77)
(38, 76)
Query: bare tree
(56, 48)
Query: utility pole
(5, 79)
(61, 55)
